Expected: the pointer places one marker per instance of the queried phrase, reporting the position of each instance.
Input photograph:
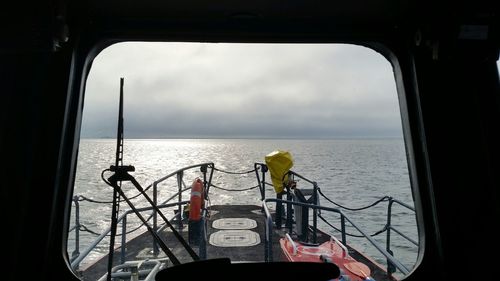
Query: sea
(350, 172)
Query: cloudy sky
(204, 90)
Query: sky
(228, 90)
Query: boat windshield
(209, 128)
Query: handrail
(134, 270)
(202, 250)
(402, 204)
(208, 164)
(388, 227)
(390, 266)
(268, 249)
(78, 225)
(301, 177)
(391, 258)
(77, 257)
(78, 260)
(391, 261)
(291, 174)
(76, 251)
(262, 184)
(294, 246)
(344, 248)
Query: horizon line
(251, 138)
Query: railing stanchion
(289, 218)
(270, 246)
(203, 170)
(212, 168)
(264, 170)
(124, 239)
(315, 212)
(179, 198)
(389, 214)
(76, 252)
(279, 210)
(155, 218)
(268, 251)
(390, 267)
(342, 227)
(202, 250)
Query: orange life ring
(197, 200)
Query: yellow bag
(279, 163)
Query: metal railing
(181, 187)
(77, 257)
(313, 203)
(132, 270)
(390, 266)
(261, 180)
(344, 217)
(76, 228)
(123, 219)
(260, 172)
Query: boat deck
(233, 231)
(141, 247)
(239, 253)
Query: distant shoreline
(247, 138)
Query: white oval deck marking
(234, 223)
(234, 238)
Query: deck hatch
(234, 238)
(234, 223)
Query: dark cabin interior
(444, 56)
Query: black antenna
(116, 195)
(121, 174)
(119, 134)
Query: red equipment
(197, 200)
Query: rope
(235, 173)
(83, 198)
(385, 198)
(350, 234)
(85, 228)
(227, 189)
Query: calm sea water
(352, 172)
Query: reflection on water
(351, 172)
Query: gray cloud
(242, 90)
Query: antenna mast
(120, 173)
(119, 134)
(116, 195)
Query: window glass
(333, 107)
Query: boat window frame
(413, 134)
